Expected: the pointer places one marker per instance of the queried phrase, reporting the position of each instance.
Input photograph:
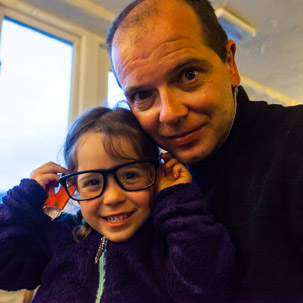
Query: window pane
(35, 85)
(115, 93)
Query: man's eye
(188, 75)
(141, 95)
(141, 100)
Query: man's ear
(231, 48)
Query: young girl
(134, 240)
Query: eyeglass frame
(105, 173)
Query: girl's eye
(130, 175)
(92, 182)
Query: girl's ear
(231, 48)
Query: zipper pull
(101, 249)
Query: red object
(56, 202)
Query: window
(115, 93)
(35, 85)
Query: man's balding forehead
(139, 13)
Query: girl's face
(117, 214)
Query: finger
(165, 156)
(160, 177)
(52, 167)
(182, 174)
(161, 171)
(45, 180)
(171, 163)
(49, 167)
(47, 175)
(177, 169)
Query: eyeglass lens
(131, 177)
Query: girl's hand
(172, 172)
(47, 175)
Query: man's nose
(172, 106)
(113, 194)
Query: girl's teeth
(116, 219)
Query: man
(178, 72)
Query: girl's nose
(113, 194)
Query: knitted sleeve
(23, 248)
(199, 262)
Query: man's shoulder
(272, 113)
(288, 117)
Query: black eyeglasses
(131, 176)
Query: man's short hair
(215, 36)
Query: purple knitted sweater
(180, 255)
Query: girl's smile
(118, 218)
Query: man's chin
(190, 156)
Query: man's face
(177, 87)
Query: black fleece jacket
(254, 185)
